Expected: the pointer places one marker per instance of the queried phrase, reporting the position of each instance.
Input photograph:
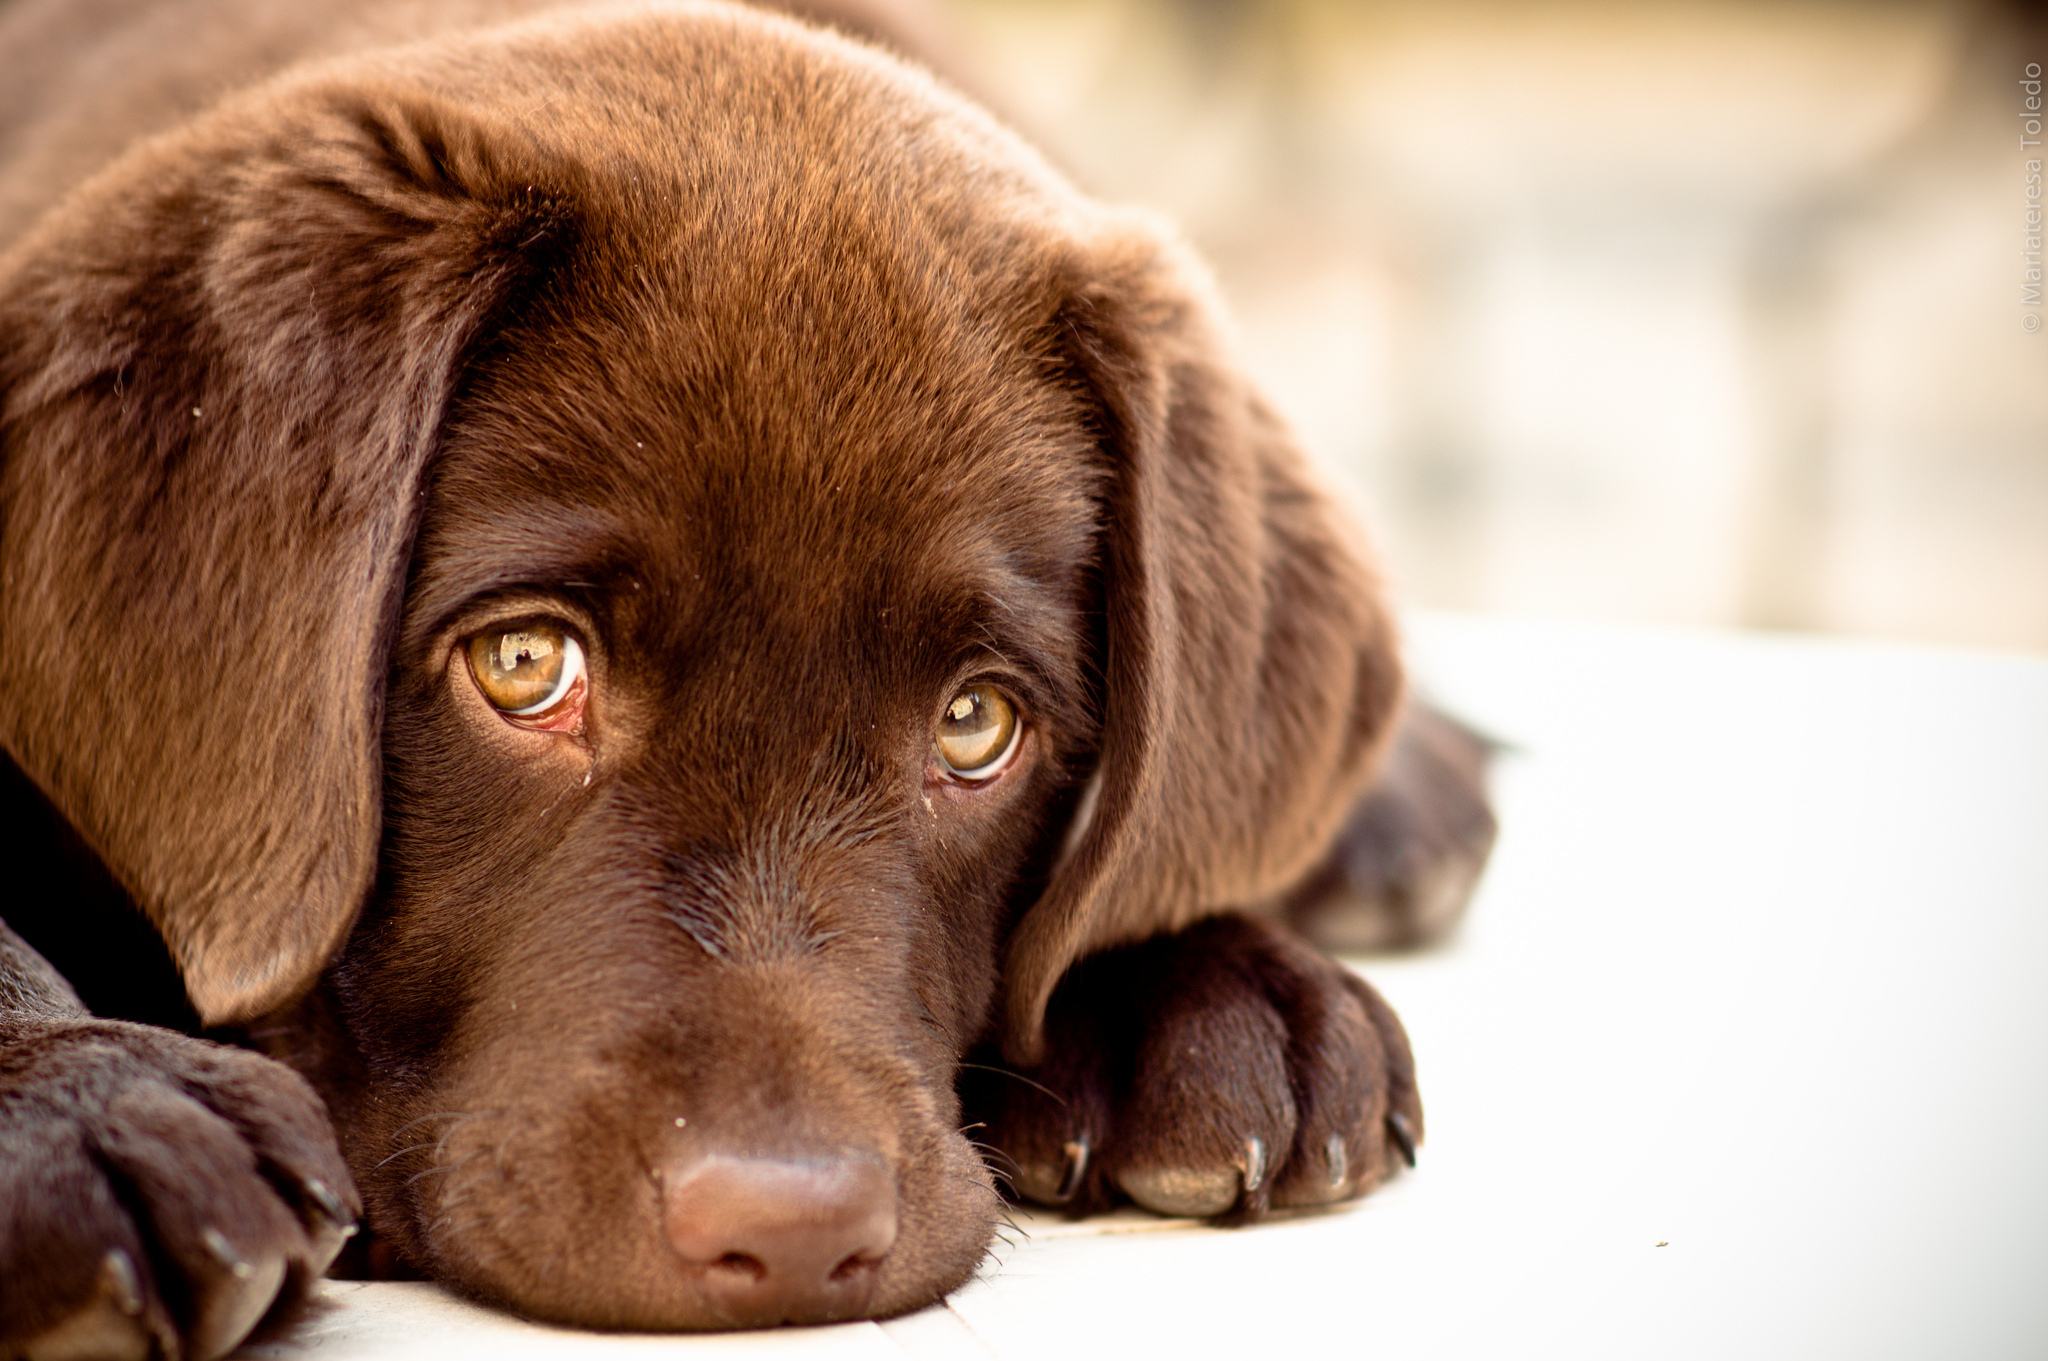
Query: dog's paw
(1222, 1071)
(158, 1194)
(1409, 856)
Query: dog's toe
(180, 1191)
(1044, 1132)
(1220, 1072)
(229, 1247)
(1209, 1113)
(1196, 1191)
(113, 1324)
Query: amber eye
(525, 671)
(977, 734)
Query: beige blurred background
(1700, 313)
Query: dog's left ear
(1250, 672)
(222, 368)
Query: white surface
(1760, 972)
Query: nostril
(740, 1264)
(856, 1265)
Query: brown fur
(803, 394)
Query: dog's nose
(782, 1240)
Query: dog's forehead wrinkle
(826, 498)
(765, 895)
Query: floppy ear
(1250, 673)
(222, 367)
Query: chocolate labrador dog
(710, 659)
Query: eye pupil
(529, 651)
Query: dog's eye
(525, 671)
(978, 733)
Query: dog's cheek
(459, 776)
(985, 856)
(475, 858)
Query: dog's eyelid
(499, 612)
(522, 609)
(575, 601)
(1026, 684)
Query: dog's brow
(544, 547)
(1017, 620)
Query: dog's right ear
(222, 366)
(1250, 672)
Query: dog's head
(685, 577)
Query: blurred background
(1699, 313)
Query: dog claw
(110, 1327)
(323, 1197)
(1254, 1165)
(120, 1284)
(1077, 1152)
(1403, 1135)
(224, 1252)
(328, 1227)
(227, 1311)
(1042, 1183)
(1338, 1160)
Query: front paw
(1221, 1071)
(158, 1194)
